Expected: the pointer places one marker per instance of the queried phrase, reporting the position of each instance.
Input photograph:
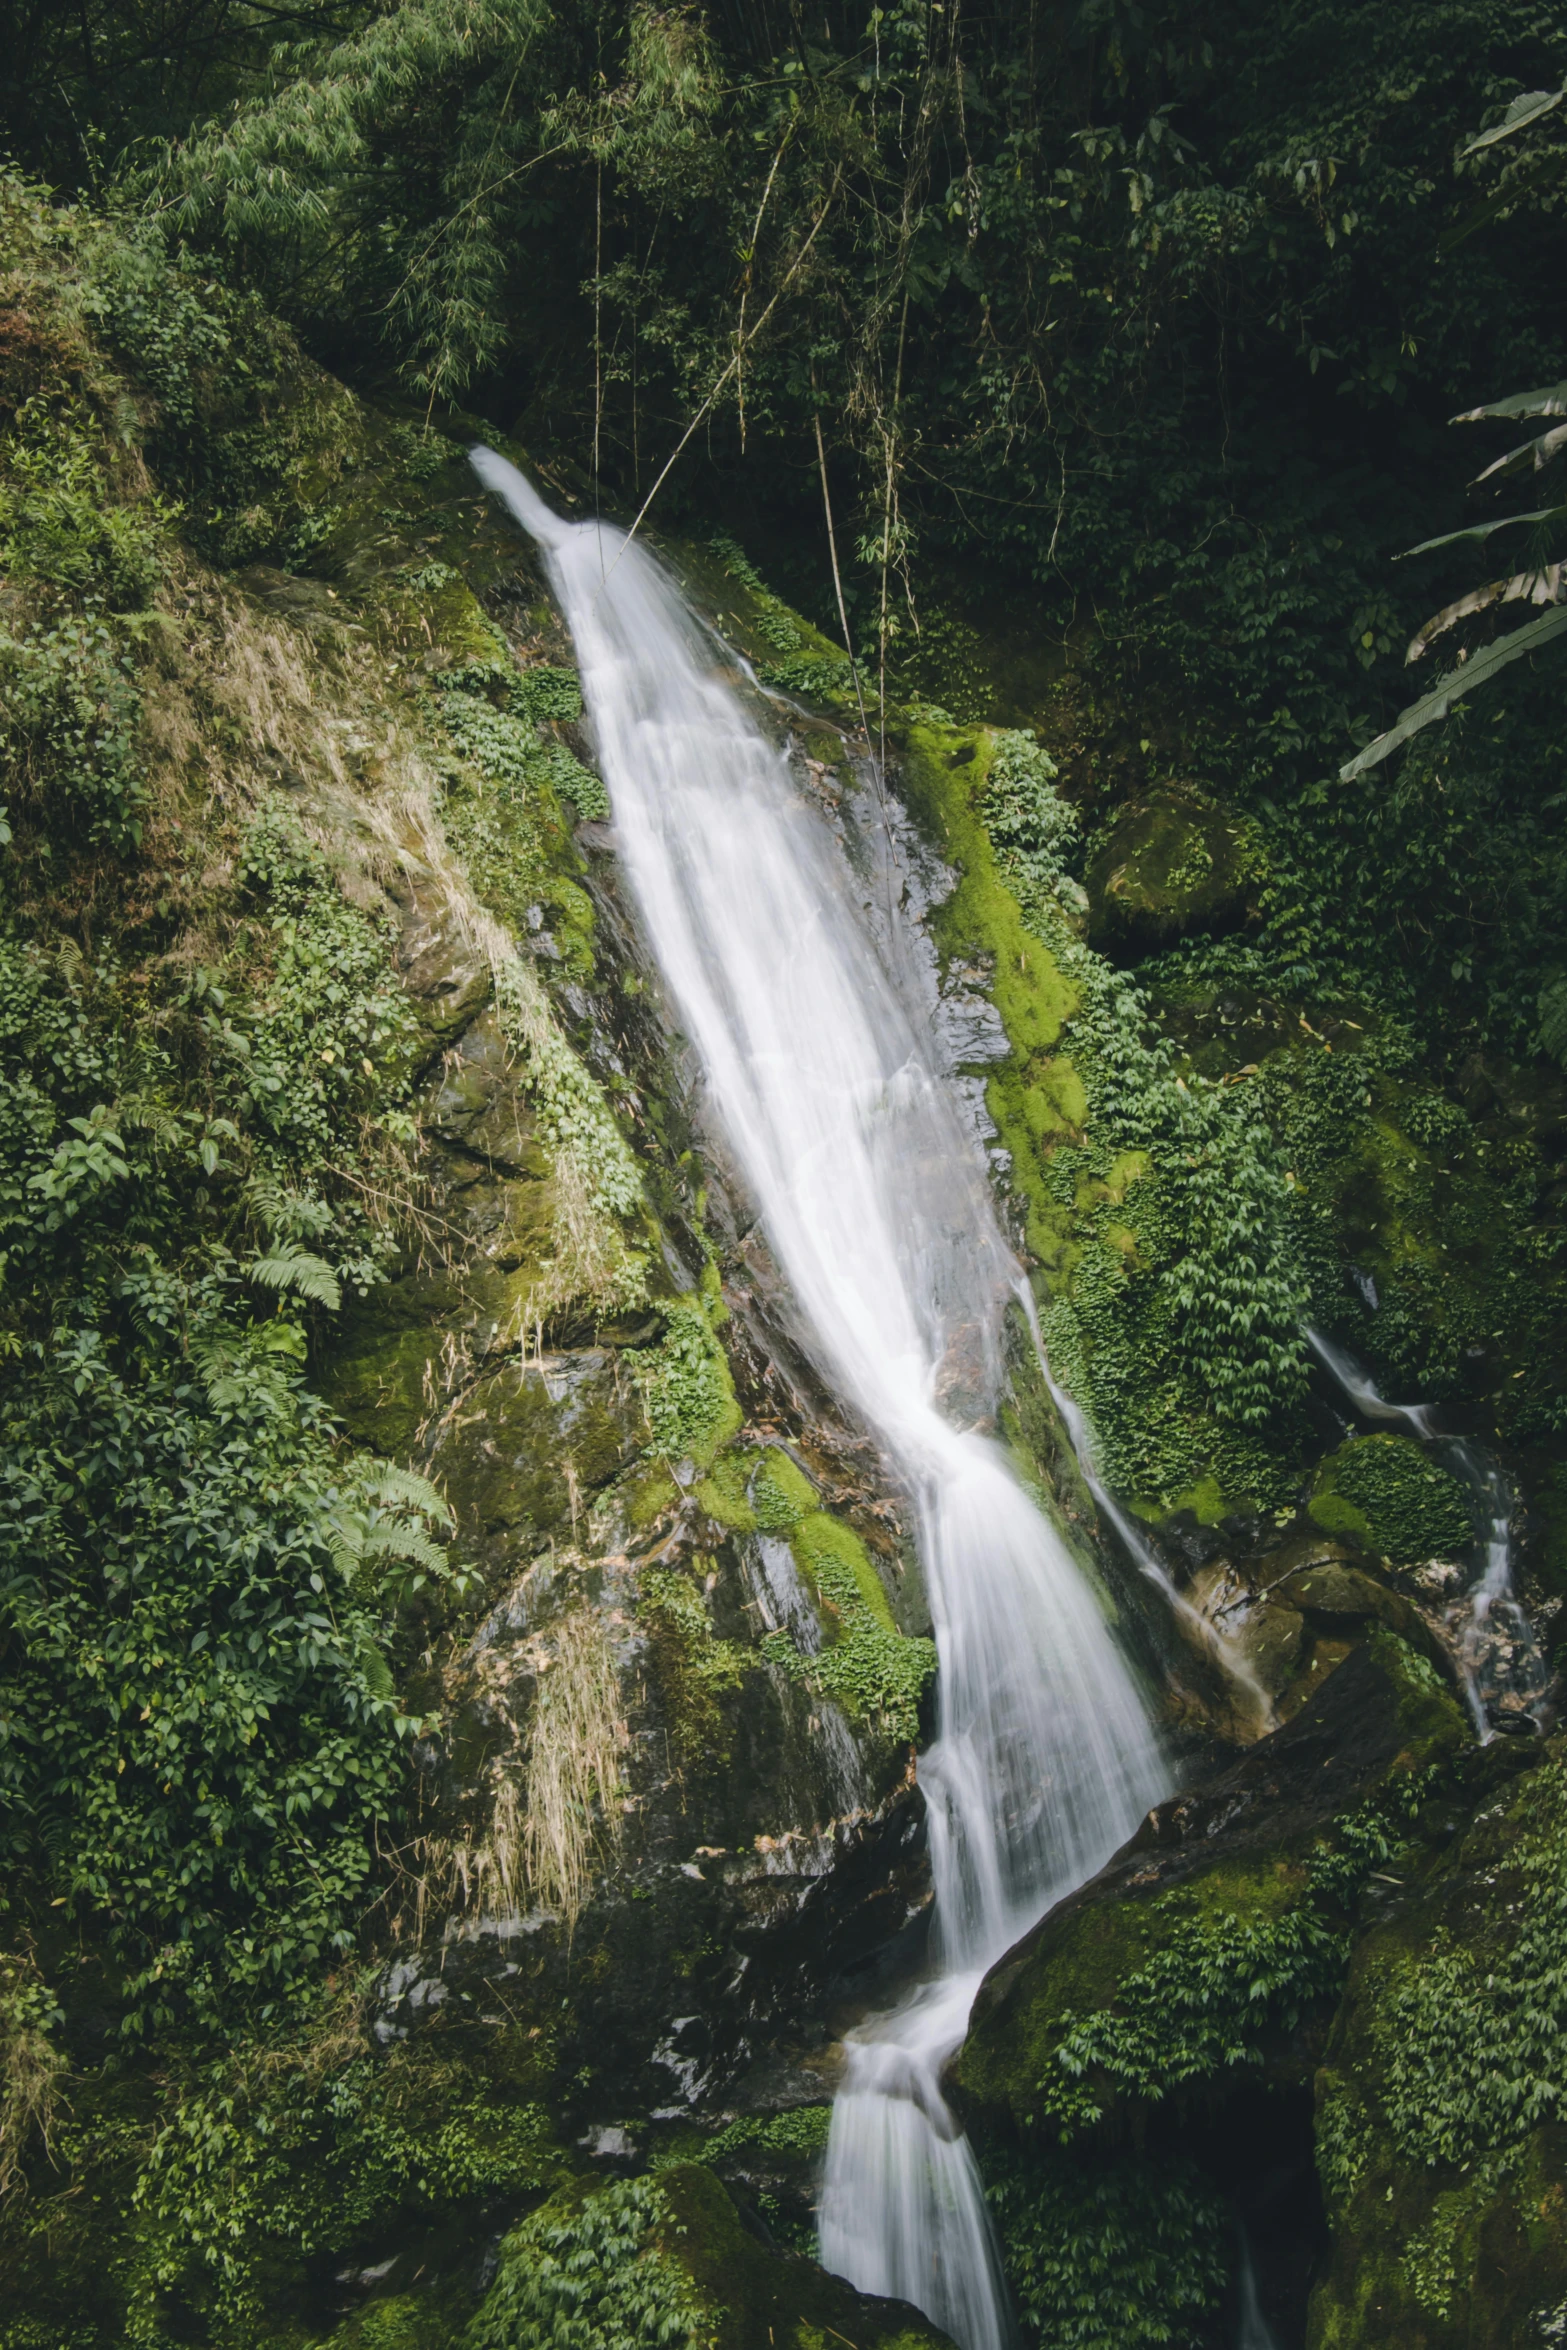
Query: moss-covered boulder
(1170, 864)
(1442, 2098)
(1388, 1493)
(669, 2260)
(1202, 1949)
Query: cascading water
(1499, 1661)
(874, 1198)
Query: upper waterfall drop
(823, 1072)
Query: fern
(394, 1488)
(290, 1267)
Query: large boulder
(1171, 863)
(1257, 1864)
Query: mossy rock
(1228, 1863)
(1035, 1096)
(1171, 864)
(1388, 1493)
(752, 2294)
(530, 1442)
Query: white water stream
(1491, 1638)
(873, 1194)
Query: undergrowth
(1111, 2254)
(592, 2269)
(1471, 2036)
(1223, 1981)
(1389, 1491)
(1176, 1320)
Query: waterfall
(823, 1072)
(1253, 2331)
(1499, 1660)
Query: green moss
(1168, 865)
(1131, 2001)
(1387, 1491)
(377, 1383)
(502, 808)
(649, 1496)
(723, 1493)
(781, 1494)
(1207, 1501)
(758, 2298)
(837, 1565)
(694, 1666)
(687, 1391)
(866, 1663)
(1033, 1099)
(1155, 1205)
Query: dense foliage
(594, 2272)
(1086, 368)
(1111, 2255)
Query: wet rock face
(1242, 1836)
(1172, 862)
(1412, 1884)
(644, 1854)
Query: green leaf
(1548, 403)
(1528, 108)
(1483, 530)
(291, 1267)
(1456, 683)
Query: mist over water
(824, 1074)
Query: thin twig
(837, 581)
(750, 262)
(793, 271)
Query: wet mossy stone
(1171, 864)
(768, 2295)
(669, 2263)
(529, 1435)
(1387, 1492)
(1226, 1876)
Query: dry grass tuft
(554, 1784)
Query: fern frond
(394, 1539)
(293, 1268)
(394, 1488)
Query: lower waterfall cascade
(874, 1197)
